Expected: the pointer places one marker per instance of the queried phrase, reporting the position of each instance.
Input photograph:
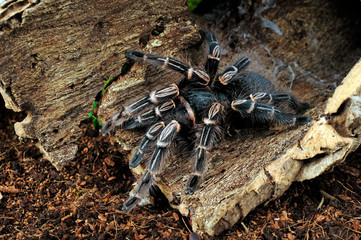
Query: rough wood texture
(55, 56)
(260, 165)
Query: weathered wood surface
(55, 56)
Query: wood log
(56, 56)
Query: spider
(200, 109)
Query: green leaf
(95, 104)
(193, 4)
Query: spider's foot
(131, 203)
(301, 120)
(193, 184)
(114, 121)
(136, 159)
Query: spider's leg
(278, 99)
(263, 112)
(192, 74)
(164, 141)
(159, 96)
(209, 133)
(214, 54)
(227, 75)
(149, 117)
(144, 146)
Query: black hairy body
(199, 111)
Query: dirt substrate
(84, 200)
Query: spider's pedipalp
(209, 133)
(144, 146)
(266, 113)
(227, 75)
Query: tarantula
(200, 109)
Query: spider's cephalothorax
(199, 109)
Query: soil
(84, 200)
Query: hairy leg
(230, 72)
(192, 74)
(214, 54)
(266, 113)
(160, 151)
(160, 96)
(209, 133)
(278, 99)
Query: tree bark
(56, 56)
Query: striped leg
(214, 54)
(192, 74)
(210, 132)
(164, 141)
(149, 117)
(159, 96)
(227, 75)
(265, 113)
(146, 143)
(278, 99)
